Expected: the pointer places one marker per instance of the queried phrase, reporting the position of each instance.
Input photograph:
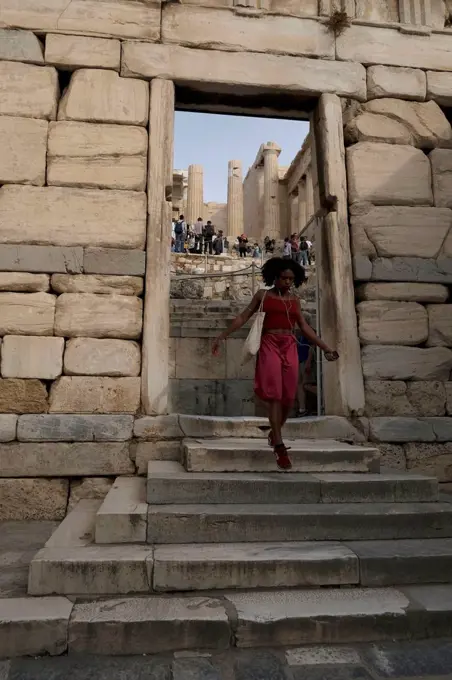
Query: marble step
(254, 455)
(122, 517)
(154, 624)
(169, 483)
(306, 522)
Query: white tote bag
(253, 340)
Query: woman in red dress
(276, 377)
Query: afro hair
(274, 267)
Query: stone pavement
(414, 660)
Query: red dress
(276, 377)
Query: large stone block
(99, 284)
(400, 430)
(95, 395)
(27, 313)
(28, 91)
(65, 217)
(89, 487)
(241, 69)
(8, 427)
(118, 18)
(114, 358)
(62, 459)
(387, 398)
(70, 52)
(29, 357)
(387, 174)
(24, 145)
(387, 46)
(441, 160)
(439, 87)
(21, 282)
(392, 323)
(433, 459)
(393, 81)
(194, 360)
(406, 363)
(33, 499)
(410, 292)
(158, 427)
(22, 396)
(103, 156)
(203, 27)
(426, 122)
(144, 452)
(20, 46)
(448, 388)
(41, 259)
(98, 316)
(440, 325)
(412, 269)
(392, 456)
(428, 398)
(114, 261)
(76, 428)
(368, 127)
(101, 96)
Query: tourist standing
(287, 249)
(180, 229)
(304, 251)
(295, 248)
(198, 228)
(209, 233)
(218, 244)
(276, 376)
(243, 245)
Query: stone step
(309, 522)
(122, 516)
(169, 483)
(254, 455)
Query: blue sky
(212, 140)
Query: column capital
(271, 148)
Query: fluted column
(302, 207)
(309, 193)
(235, 198)
(195, 193)
(416, 12)
(272, 225)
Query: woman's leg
(274, 412)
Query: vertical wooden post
(155, 362)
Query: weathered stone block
(448, 388)
(427, 398)
(41, 259)
(411, 292)
(29, 357)
(101, 96)
(368, 127)
(114, 261)
(158, 427)
(20, 46)
(65, 216)
(103, 156)
(8, 426)
(439, 87)
(433, 459)
(62, 459)
(89, 487)
(404, 231)
(19, 282)
(95, 395)
(412, 269)
(393, 81)
(144, 452)
(33, 499)
(24, 145)
(118, 18)
(194, 360)
(392, 456)
(440, 325)
(387, 174)
(22, 396)
(72, 52)
(203, 27)
(98, 316)
(386, 398)
(114, 358)
(122, 285)
(241, 69)
(26, 313)
(441, 160)
(76, 428)
(362, 268)
(425, 121)
(28, 91)
(400, 430)
(406, 363)
(392, 323)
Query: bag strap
(261, 306)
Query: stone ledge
(74, 428)
(405, 430)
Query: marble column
(272, 227)
(302, 207)
(156, 326)
(309, 193)
(195, 194)
(235, 199)
(416, 12)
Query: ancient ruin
(149, 497)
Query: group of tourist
(297, 248)
(197, 238)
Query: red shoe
(282, 457)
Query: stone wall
(399, 157)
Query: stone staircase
(224, 551)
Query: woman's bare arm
(311, 335)
(239, 320)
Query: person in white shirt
(287, 249)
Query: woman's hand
(331, 355)
(216, 345)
